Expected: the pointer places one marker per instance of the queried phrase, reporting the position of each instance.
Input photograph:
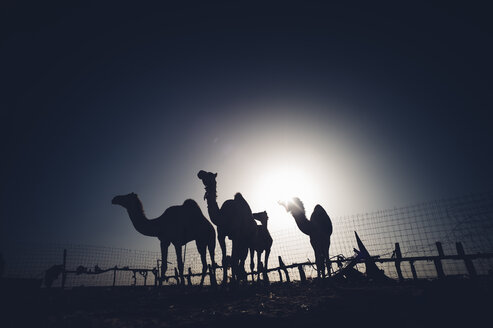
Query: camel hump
(319, 208)
(321, 218)
(193, 209)
(192, 206)
(190, 203)
(242, 203)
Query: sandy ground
(449, 303)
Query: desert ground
(452, 302)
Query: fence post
(159, 275)
(398, 257)
(189, 276)
(413, 270)
(302, 273)
(64, 273)
(438, 262)
(283, 268)
(114, 276)
(144, 274)
(155, 273)
(469, 265)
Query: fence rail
(282, 269)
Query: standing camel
(177, 225)
(319, 228)
(262, 241)
(234, 220)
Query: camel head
(293, 206)
(126, 201)
(208, 178)
(262, 217)
(209, 181)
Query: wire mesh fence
(416, 228)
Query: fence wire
(416, 228)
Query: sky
(357, 108)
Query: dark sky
(99, 100)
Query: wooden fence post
(154, 272)
(283, 268)
(467, 261)
(302, 273)
(114, 276)
(159, 276)
(189, 276)
(398, 257)
(64, 273)
(413, 270)
(438, 262)
(144, 274)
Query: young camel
(177, 225)
(319, 228)
(262, 241)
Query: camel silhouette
(262, 241)
(177, 225)
(234, 219)
(319, 228)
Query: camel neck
(302, 222)
(212, 206)
(142, 224)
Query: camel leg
(320, 260)
(164, 259)
(234, 260)
(242, 257)
(222, 244)
(179, 259)
(266, 275)
(238, 256)
(202, 251)
(319, 265)
(212, 250)
(252, 263)
(259, 258)
(327, 261)
(322, 265)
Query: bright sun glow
(282, 184)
